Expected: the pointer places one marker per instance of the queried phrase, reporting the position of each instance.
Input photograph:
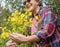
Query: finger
(16, 34)
(14, 38)
(11, 44)
(14, 43)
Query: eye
(24, 3)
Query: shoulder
(48, 11)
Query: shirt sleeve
(49, 24)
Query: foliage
(18, 22)
(13, 5)
(4, 36)
(55, 5)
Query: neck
(36, 10)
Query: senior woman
(44, 35)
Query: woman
(46, 34)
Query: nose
(27, 5)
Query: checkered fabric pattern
(48, 34)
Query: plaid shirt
(49, 35)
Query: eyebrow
(26, 1)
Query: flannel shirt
(48, 34)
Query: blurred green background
(7, 7)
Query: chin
(31, 10)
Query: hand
(17, 37)
(11, 43)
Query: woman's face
(31, 5)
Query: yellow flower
(18, 19)
(9, 18)
(13, 14)
(30, 13)
(19, 13)
(36, 17)
(30, 20)
(16, 11)
(0, 27)
(13, 19)
(22, 15)
(4, 35)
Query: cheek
(32, 8)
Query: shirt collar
(39, 11)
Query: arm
(33, 38)
(19, 38)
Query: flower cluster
(20, 21)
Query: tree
(12, 5)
